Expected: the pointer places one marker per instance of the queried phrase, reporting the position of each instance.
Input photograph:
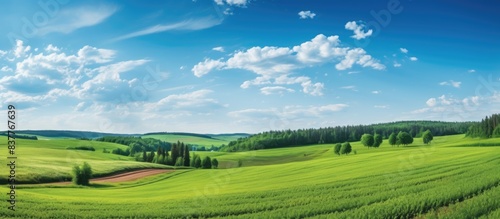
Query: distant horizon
(246, 66)
(230, 133)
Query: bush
(346, 148)
(336, 149)
(81, 175)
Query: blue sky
(219, 66)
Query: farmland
(451, 178)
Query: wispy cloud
(71, 19)
(189, 24)
(403, 50)
(218, 49)
(471, 71)
(452, 83)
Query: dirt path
(124, 177)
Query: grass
(207, 142)
(49, 160)
(423, 181)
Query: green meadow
(454, 177)
(207, 142)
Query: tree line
(488, 128)
(339, 134)
(135, 144)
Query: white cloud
(51, 48)
(359, 57)
(206, 66)
(275, 90)
(452, 83)
(190, 24)
(403, 50)
(319, 49)
(6, 69)
(413, 58)
(306, 14)
(431, 102)
(350, 87)
(20, 49)
(359, 33)
(381, 106)
(2, 53)
(289, 112)
(471, 71)
(187, 101)
(218, 49)
(376, 92)
(353, 72)
(275, 65)
(71, 19)
(239, 3)
(397, 65)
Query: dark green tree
(207, 163)
(337, 148)
(367, 140)
(187, 160)
(82, 175)
(346, 148)
(404, 138)
(393, 139)
(197, 162)
(377, 140)
(427, 137)
(215, 163)
(179, 162)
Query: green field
(49, 160)
(207, 142)
(448, 179)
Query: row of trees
(369, 140)
(488, 128)
(178, 155)
(135, 144)
(338, 134)
(206, 163)
(342, 148)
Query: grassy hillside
(49, 160)
(446, 180)
(196, 140)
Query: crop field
(447, 179)
(50, 160)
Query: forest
(487, 128)
(340, 134)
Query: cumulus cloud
(413, 58)
(87, 75)
(358, 29)
(275, 65)
(203, 68)
(397, 64)
(358, 56)
(376, 92)
(452, 83)
(403, 50)
(306, 14)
